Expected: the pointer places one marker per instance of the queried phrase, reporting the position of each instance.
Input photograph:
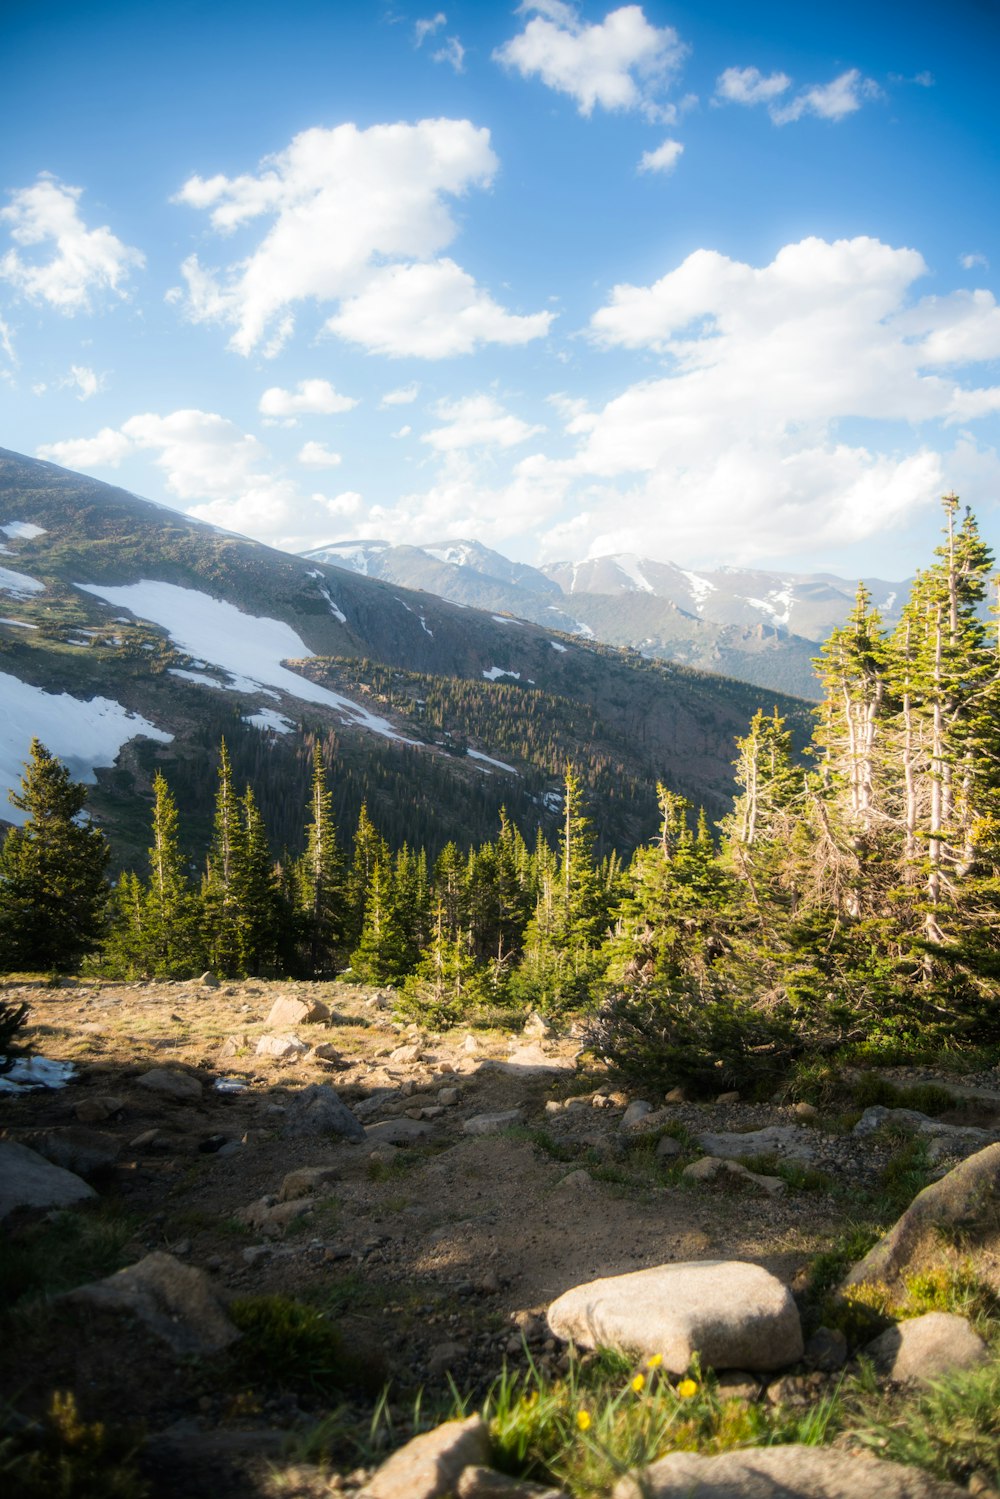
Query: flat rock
(76, 1148)
(968, 1198)
(282, 1048)
(168, 1082)
(176, 1302)
(710, 1168)
(274, 1217)
(944, 1139)
(790, 1141)
(491, 1124)
(28, 1180)
(401, 1131)
(924, 1348)
(429, 1466)
(487, 1483)
(308, 1181)
(791, 1472)
(635, 1114)
(319, 1110)
(287, 1013)
(98, 1107)
(532, 1061)
(732, 1314)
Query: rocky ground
(492, 1173)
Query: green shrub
(67, 1458)
(291, 1346)
(12, 1019)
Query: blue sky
(711, 283)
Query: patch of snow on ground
(488, 760)
(196, 676)
(19, 584)
(425, 626)
(557, 647)
(31, 1073)
(700, 588)
(337, 612)
(267, 718)
(496, 672)
(22, 622)
(505, 619)
(250, 647)
(22, 530)
(82, 734)
(551, 800)
(630, 565)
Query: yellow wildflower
(655, 1361)
(687, 1388)
(638, 1383)
(583, 1420)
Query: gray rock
(98, 1107)
(282, 1048)
(944, 1139)
(924, 1348)
(532, 1061)
(635, 1114)
(726, 1098)
(733, 1315)
(676, 1095)
(429, 1466)
(175, 1302)
(826, 1350)
(208, 980)
(88, 1152)
(168, 1082)
(667, 1148)
(968, 1198)
(792, 1472)
(398, 1132)
(286, 1013)
(789, 1141)
(491, 1124)
(412, 1052)
(28, 1180)
(710, 1168)
(487, 1483)
(319, 1110)
(271, 1217)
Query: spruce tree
(321, 897)
(53, 884)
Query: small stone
(431, 1465)
(445, 1356)
(470, 1044)
(175, 1301)
(95, 1110)
(282, 1048)
(27, 1179)
(635, 1113)
(781, 1472)
(924, 1348)
(448, 1097)
(319, 1110)
(803, 1110)
(410, 1053)
(208, 980)
(577, 1180)
(826, 1350)
(486, 1483)
(306, 1181)
(326, 1052)
(732, 1097)
(667, 1148)
(676, 1095)
(491, 1124)
(736, 1384)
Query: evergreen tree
(321, 897)
(222, 937)
(171, 939)
(53, 885)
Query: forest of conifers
(848, 900)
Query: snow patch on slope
(250, 647)
(82, 734)
(22, 530)
(19, 584)
(700, 588)
(267, 718)
(488, 760)
(496, 672)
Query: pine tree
(222, 937)
(321, 897)
(171, 939)
(53, 885)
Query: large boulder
(790, 1141)
(176, 1302)
(319, 1110)
(28, 1180)
(924, 1348)
(943, 1139)
(88, 1152)
(968, 1198)
(429, 1466)
(791, 1472)
(169, 1082)
(286, 1013)
(733, 1315)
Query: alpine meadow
(499, 750)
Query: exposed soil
(437, 1257)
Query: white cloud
(828, 101)
(312, 397)
(453, 53)
(403, 431)
(315, 455)
(423, 29)
(7, 341)
(973, 261)
(621, 62)
(81, 262)
(351, 210)
(749, 86)
(106, 450)
(403, 396)
(477, 422)
(663, 159)
(431, 311)
(87, 382)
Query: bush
(12, 1019)
(654, 1040)
(291, 1346)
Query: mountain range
(762, 627)
(133, 638)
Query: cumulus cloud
(349, 210)
(310, 397)
(430, 310)
(828, 101)
(71, 264)
(663, 159)
(477, 421)
(404, 395)
(105, 450)
(749, 86)
(622, 62)
(86, 381)
(7, 341)
(743, 436)
(315, 455)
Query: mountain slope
(436, 713)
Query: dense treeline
(850, 899)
